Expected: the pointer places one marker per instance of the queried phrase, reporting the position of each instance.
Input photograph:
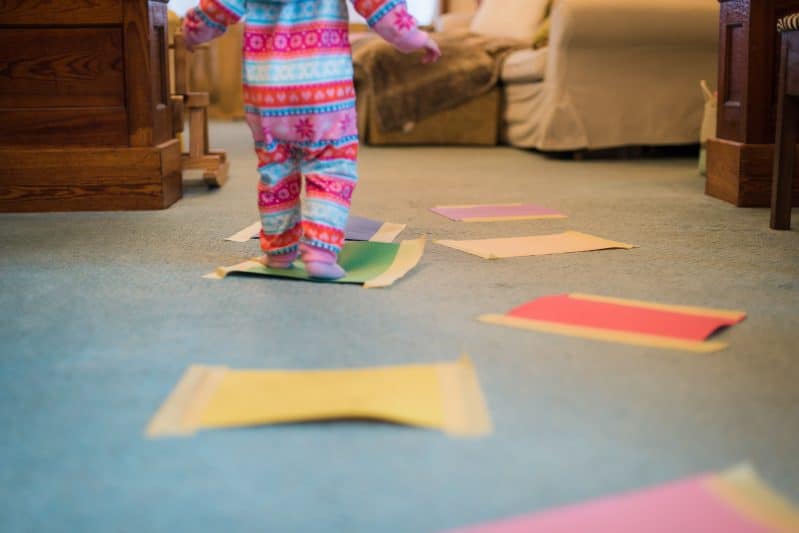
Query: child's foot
(321, 263)
(281, 261)
(320, 270)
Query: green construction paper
(363, 261)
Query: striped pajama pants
(330, 179)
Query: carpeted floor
(100, 313)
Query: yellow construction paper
(248, 397)
(744, 490)
(443, 396)
(566, 242)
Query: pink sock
(321, 263)
(284, 260)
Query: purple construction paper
(486, 211)
(358, 228)
(361, 229)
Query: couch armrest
(453, 21)
(525, 66)
(614, 23)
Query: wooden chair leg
(206, 142)
(785, 150)
(196, 133)
(217, 172)
(214, 165)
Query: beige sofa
(615, 73)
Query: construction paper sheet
(244, 235)
(358, 229)
(743, 489)
(444, 396)
(371, 264)
(495, 212)
(366, 229)
(620, 320)
(560, 243)
(361, 229)
(732, 502)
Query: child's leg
(330, 179)
(279, 203)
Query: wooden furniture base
(741, 173)
(740, 159)
(90, 179)
(85, 114)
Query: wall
(462, 5)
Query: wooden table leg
(785, 142)
(783, 163)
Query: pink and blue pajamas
(300, 105)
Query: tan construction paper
(408, 256)
(246, 234)
(502, 248)
(743, 489)
(388, 232)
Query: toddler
(300, 104)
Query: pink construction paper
(485, 211)
(686, 506)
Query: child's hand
(186, 31)
(431, 51)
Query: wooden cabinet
(85, 116)
(740, 158)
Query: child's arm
(210, 19)
(391, 20)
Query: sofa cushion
(525, 66)
(452, 22)
(517, 19)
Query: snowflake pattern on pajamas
(300, 105)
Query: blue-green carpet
(100, 313)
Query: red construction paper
(563, 309)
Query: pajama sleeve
(391, 20)
(210, 19)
